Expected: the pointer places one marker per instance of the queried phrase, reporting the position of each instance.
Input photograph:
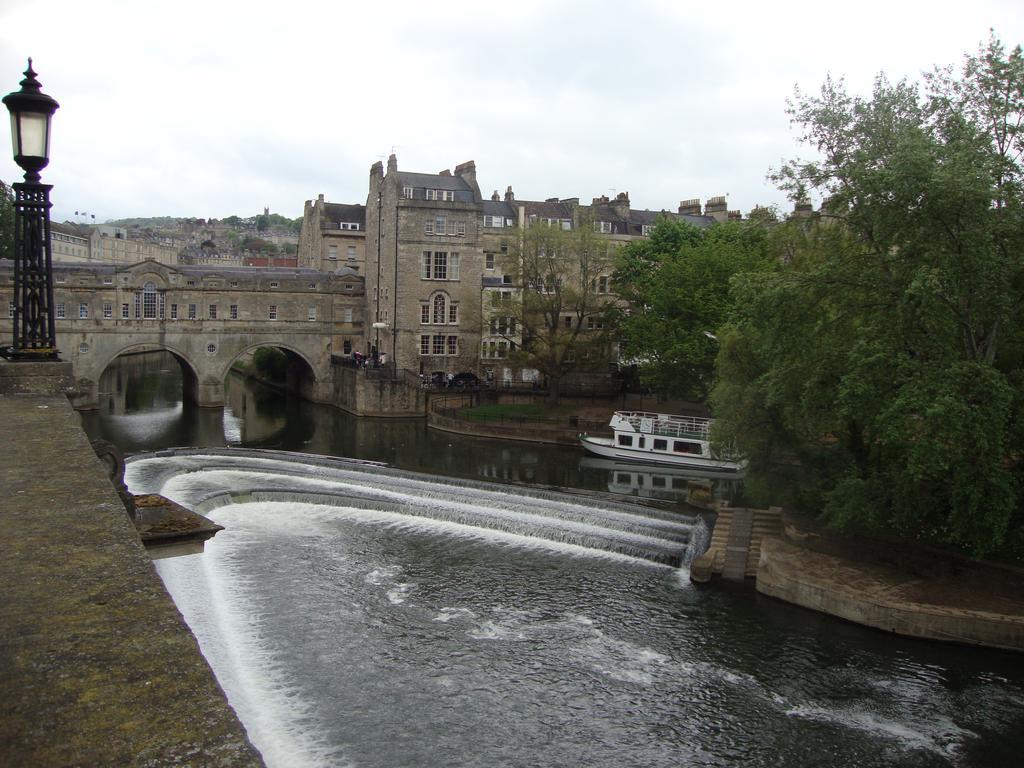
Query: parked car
(464, 380)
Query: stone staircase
(735, 547)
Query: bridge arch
(190, 376)
(300, 376)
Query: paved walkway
(96, 665)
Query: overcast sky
(216, 108)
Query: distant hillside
(261, 222)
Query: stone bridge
(207, 318)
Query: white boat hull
(606, 447)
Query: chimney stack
(690, 207)
(496, 197)
(392, 163)
(509, 196)
(621, 205)
(467, 172)
(717, 208)
(802, 209)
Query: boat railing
(667, 426)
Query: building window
(494, 221)
(424, 344)
(438, 345)
(213, 311)
(83, 348)
(190, 283)
(273, 312)
(440, 265)
(604, 227)
(274, 284)
(108, 281)
(568, 321)
(594, 324)
(453, 314)
(233, 311)
(61, 311)
(407, 193)
(346, 347)
(211, 349)
(351, 253)
(431, 194)
(332, 252)
(424, 314)
(453, 345)
(348, 315)
(488, 261)
(313, 286)
(108, 310)
(149, 301)
(438, 304)
(233, 284)
(646, 229)
(124, 311)
(602, 284)
(311, 314)
(192, 311)
(83, 311)
(174, 311)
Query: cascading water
(360, 615)
(210, 480)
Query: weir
(205, 481)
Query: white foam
(449, 614)
(939, 734)
(212, 599)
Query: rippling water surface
(365, 629)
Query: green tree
(676, 291)
(561, 300)
(885, 356)
(6, 222)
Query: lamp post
(34, 336)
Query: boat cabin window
(660, 445)
(678, 483)
(623, 479)
(658, 482)
(681, 446)
(625, 440)
(641, 441)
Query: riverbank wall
(97, 666)
(916, 593)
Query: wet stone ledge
(96, 665)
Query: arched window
(149, 301)
(439, 309)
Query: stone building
(424, 262)
(333, 236)
(436, 261)
(69, 242)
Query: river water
(374, 617)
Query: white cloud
(209, 109)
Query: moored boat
(660, 438)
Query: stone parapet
(22, 377)
(97, 666)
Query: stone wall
(97, 666)
(367, 392)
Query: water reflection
(142, 409)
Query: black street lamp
(34, 335)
